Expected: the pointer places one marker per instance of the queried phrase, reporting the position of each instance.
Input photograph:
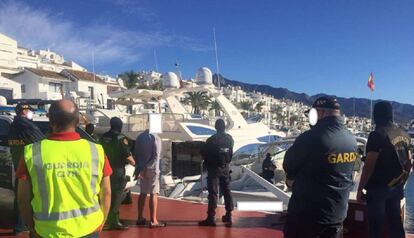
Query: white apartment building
(14, 58)
(8, 55)
(87, 88)
(151, 77)
(42, 84)
(10, 89)
(235, 94)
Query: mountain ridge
(403, 112)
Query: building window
(23, 88)
(90, 90)
(55, 87)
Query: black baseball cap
(22, 106)
(326, 102)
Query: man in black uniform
(319, 169)
(116, 147)
(22, 132)
(217, 154)
(268, 168)
(90, 128)
(386, 169)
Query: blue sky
(320, 46)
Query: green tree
(216, 107)
(130, 78)
(246, 105)
(259, 106)
(198, 101)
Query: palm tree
(246, 105)
(259, 106)
(130, 79)
(198, 101)
(216, 107)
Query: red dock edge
(182, 217)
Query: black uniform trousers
(218, 178)
(296, 227)
(268, 175)
(118, 194)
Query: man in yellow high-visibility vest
(64, 188)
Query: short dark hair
(89, 128)
(62, 119)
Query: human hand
(141, 174)
(289, 182)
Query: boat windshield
(201, 131)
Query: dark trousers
(19, 225)
(384, 204)
(298, 228)
(268, 176)
(218, 177)
(117, 196)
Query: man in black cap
(116, 147)
(386, 169)
(22, 132)
(319, 169)
(217, 154)
(90, 128)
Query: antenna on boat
(93, 64)
(155, 59)
(177, 67)
(217, 63)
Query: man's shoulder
(307, 134)
(121, 137)
(228, 135)
(107, 136)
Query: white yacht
(181, 129)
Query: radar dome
(170, 80)
(204, 76)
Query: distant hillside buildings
(43, 74)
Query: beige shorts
(150, 183)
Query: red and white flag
(371, 84)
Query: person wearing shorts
(147, 153)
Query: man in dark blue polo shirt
(319, 169)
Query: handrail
(280, 194)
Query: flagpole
(155, 60)
(372, 128)
(217, 63)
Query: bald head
(63, 116)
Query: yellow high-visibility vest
(65, 177)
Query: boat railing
(279, 193)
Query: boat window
(201, 131)
(247, 152)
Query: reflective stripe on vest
(41, 181)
